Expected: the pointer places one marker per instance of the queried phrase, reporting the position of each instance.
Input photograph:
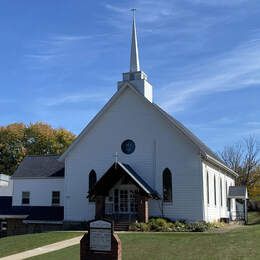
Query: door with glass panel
(125, 201)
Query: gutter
(39, 178)
(218, 163)
(13, 216)
(43, 222)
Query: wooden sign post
(100, 242)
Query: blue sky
(61, 60)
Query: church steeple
(134, 58)
(135, 76)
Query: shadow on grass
(254, 218)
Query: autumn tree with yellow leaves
(18, 140)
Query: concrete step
(121, 226)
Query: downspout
(202, 178)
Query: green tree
(12, 150)
(18, 140)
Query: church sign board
(100, 233)
(100, 242)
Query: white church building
(131, 162)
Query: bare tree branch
(243, 158)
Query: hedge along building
(132, 161)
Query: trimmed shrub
(165, 225)
(158, 224)
(143, 227)
(178, 226)
(199, 226)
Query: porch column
(245, 210)
(100, 206)
(143, 209)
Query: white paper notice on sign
(100, 239)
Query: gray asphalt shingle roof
(40, 166)
(133, 174)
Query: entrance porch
(122, 195)
(240, 196)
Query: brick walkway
(43, 249)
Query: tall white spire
(135, 76)
(134, 59)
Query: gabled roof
(114, 174)
(205, 151)
(138, 179)
(40, 167)
(187, 132)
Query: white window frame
(207, 187)
(55, 197)
(26, 197)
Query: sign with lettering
(100, 235)
(100, 242)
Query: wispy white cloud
(114, 8)
(71, 38)
(72, 99)
(253, 124)
(58, 46)
(224, 3)
(42, 58)
(7, 100)
(148, 12)
(231, 71)
(225, 130)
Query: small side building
(36, 202)
(6, 191)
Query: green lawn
(240, 243)
(15, 244)
(253, 218)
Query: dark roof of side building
(40, 167)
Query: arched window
(215, 191)
(92, 179)
(208, 187)
(167, 185)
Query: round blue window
(128, 146)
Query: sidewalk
(43, 249)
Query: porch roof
(114, 174)
(237, 192)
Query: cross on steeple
(134, 58)
(135, 76)
(116, 159)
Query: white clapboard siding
(158, 145)
(214, 212)
(40, 190)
